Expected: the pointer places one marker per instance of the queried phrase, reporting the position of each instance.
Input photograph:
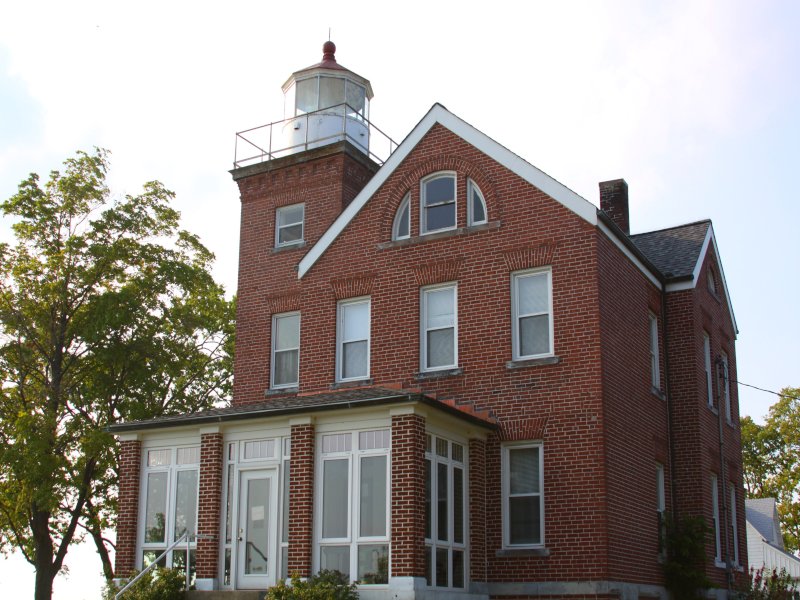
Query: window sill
(533, 362)
(522, 552)
(658, 393)
(424, 375)
(287, 247)
(713, 409)
(720, 564)
(341, 385)
(418, 239)
(281, 391)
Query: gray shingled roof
(762, 514)
(286, 405)
(674, 251)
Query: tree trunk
(43, 555)
(94, 529)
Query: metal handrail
(253, 151)
(154, 564)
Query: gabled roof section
(762, 514)
(679, 253)
(439, 114)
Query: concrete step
(226, 595)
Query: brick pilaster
(408, 496)
(477, 509)
(301, 500)
(208, 510)
(129, 462)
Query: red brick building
(454, 377)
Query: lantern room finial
(328, 52)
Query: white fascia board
(439, 114)
(710, 240)
(631, 256)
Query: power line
(755, 387)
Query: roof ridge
(701, 221)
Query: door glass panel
(441, 504)
(186, 503)
(156, 511)
(257, 532)
(373, 496)
(334, 498)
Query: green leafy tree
(771, 461)
(108, 311)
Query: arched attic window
(711, 281)
(401, 229)
(476, 210)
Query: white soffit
(439, 114)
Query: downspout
(673, 501)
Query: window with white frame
(438, 203)
(352, 339)
(715, 518)
(523, 496)
(476, 211)
(655, 367)
(445, 514)
(439, 335)
(289, 224)
(285, 363)
(661, 507)
(353, 505)
(169, 488)
(532, 315)
(707, 365)
(734, 524)
(401, 228)
(726, 385)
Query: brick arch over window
(398, 188)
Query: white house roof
(762, 514)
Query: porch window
(445, 528)
(352, 505)
(170, 488)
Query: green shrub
(684, 567)
(763, 585)
(158, 584)
(325, 585)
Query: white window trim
(405, 207)
(340, 341)
(661, 507)
(515, 317)
(423, 225)
(295, 383)
(278, 226)
(707, 366)
(726, 387)
(433, 542)
(353, 539)
(505, 494)
(655, 365)
(172, 469)
(715, 517)
(734, 525)
(473, 187)
(423, 337)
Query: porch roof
(309, 403)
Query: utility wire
(755, 387)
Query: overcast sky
(694, 103)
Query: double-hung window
(439, 335)
(352, 344)
(734, 525)
(655, 368)
(353, 505)
(285, 361)
(715, 517)
(707, 365)
(532, 314)
(445, 521)
(726, 385)
(289, 224)
(523, 497)
(170, 482)
(661, 507)
(438, 202)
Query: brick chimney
(614, 202)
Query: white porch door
(256, 537)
